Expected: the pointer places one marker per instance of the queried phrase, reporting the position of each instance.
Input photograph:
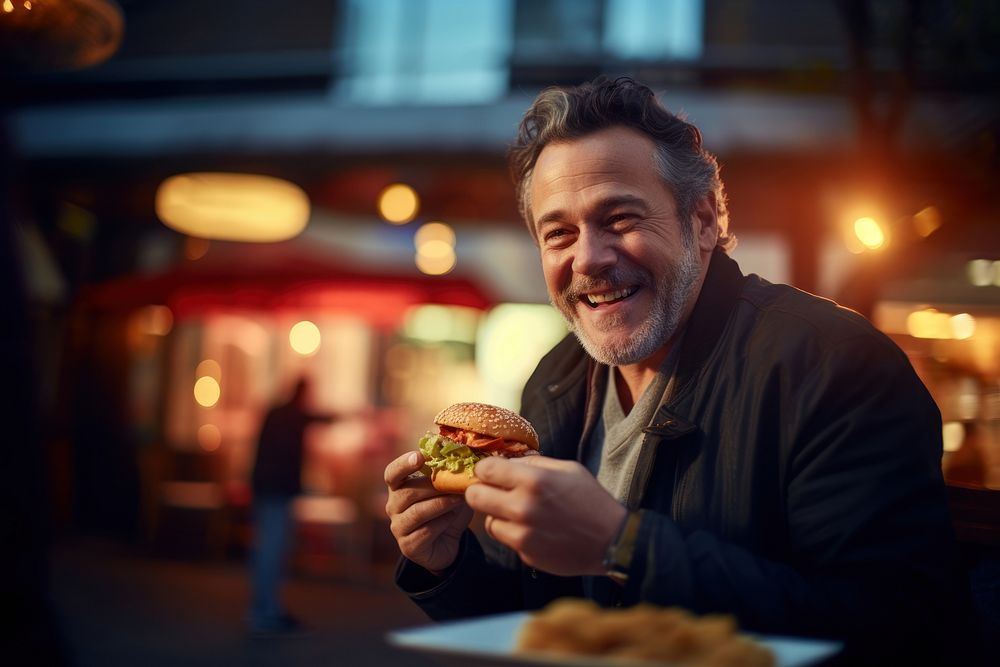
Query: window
(425, 51)
(653, 29)
(619, 29)
(466, 52)
(569, 41)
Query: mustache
(612, 279)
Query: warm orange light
(209, 368)
(398, 204)
(436, 250)
(155, 320)
(930, 323)
(304, 337)
(963, 326)
(232, 207)
(435, 244)
(195, 248)
(953, 434)
(439, 260)
(207, 391)
(983, 272)
(434, 231)
(8, 6)
(870, 233)
(926, 221)
(209, 437)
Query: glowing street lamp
(870, 233)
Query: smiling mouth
(595, 300)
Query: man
(276, 480)
(713, 441)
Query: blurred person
(276, 481)
(712, 440)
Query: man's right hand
(426, 523)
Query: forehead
(611, 161)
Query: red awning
(278, 276)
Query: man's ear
(706, 222)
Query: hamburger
(468, 432)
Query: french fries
(641, 633)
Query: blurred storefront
(944, 313)
(200, 351)
(855, 140)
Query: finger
(425, 511)
(415, 487)
(546, 462)
(431, 530)
(505, 473)
(401, 467)
(496, 501)
(508, 533)
(488, 525)
(414, 490)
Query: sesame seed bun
(489, 420)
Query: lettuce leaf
(444, 453)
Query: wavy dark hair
(562, 114)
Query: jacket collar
(704, 328)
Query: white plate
(490, 639)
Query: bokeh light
(436, 250)
(209, 368)
(434, 232)
(195, 248)
(435, 323)
(953, 434)
(963, 326)
(207, 391)
(305, 338)
(870, 233)
(398, 204)
(511, 341)
(209, 437)
(926, 221)
(983, 272)
(232, 207)
(435, 246)
(155, 320)
(440, 261)
(931, 323)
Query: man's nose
(594, 254)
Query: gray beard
(672, 290)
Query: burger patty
(484, 443)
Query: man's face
(613, 253)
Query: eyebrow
(605, 204)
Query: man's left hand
(552, 512)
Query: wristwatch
(618, 557)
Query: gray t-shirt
(615, 448)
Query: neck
(632, 380)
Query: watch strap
(618, 557)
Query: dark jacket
(793, 479)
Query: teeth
(607, 297)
